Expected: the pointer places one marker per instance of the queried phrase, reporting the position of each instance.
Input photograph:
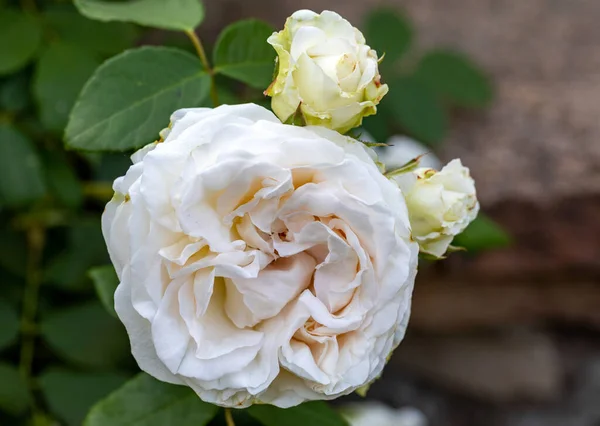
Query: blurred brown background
(510, 337)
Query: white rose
(440, 204)
(326, 72)
(378, 414)
(260, 262)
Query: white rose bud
(258, 261)
(440, 204)
(326, 72)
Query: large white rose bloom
(440, 204)
(377, 414)
(326, 72)
(259, 262)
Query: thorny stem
(203, 58)
(36, 236)
(229, 417)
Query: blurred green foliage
(424, 85)
(60, 351)
(61, 348)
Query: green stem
(204, 59)
(36, 237)
(229, 417)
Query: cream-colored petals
(440, 204)
(326, 72)
(251, 300)
(260, 262)
(376, 414)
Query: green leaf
(309, 413)
(99, 37)
(482, 234)
(14, 93)
(71, 394)
(228, 96)
(105, 281)
(21, 175)
(20, 37)
(63, 180)
(454, 77)
(87, 335)
(388, 33)
(68, 270)
(110, 166)
(12, 288)
(130, 97)
(417, 110)
(61, 72)
(14, 395)
(242, 53)
(9, 328)
(183, 15)
(148, 402)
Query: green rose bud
(327, 75)
(440, 204)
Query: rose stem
(36, 236)
(202, 54)
(229, 417)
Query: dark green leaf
(71, 394)
(105, 281)
(454, 77)
(110, 166)
(242, 53)
(9, 324)
(102, 38)
(20, 37)
(184, 15)
(12, 287)
(148, 402)
(85, 249)
(14, 396)
(227, 96)
(63, 180)
(61, 72)
(482, 234)
(130, 97)
(309, 413)
(388, 33)
(14, 93)
(417, 110)
(87, 335)
(240, 418)
(21, 175)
